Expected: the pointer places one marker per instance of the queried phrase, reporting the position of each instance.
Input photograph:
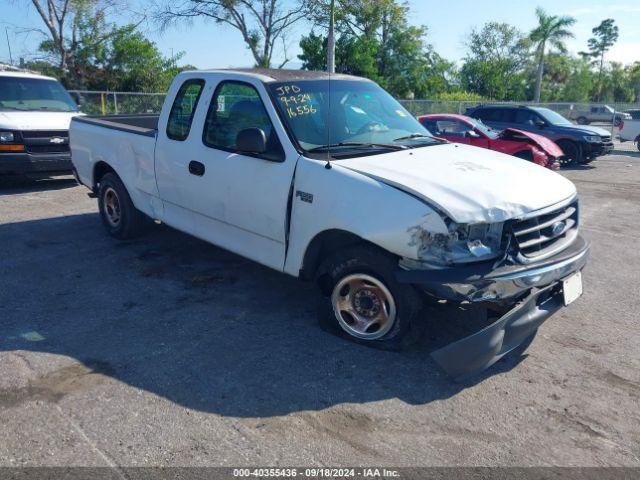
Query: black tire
(583, 121)
(130, 221)
(617, 121)
(638, 143)
(367, 261)
(572, 153)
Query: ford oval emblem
(558, 227)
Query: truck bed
(630, 130)
(143, 124)
(124, 142)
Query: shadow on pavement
(13, 184)
(626, 153)
(197, 325)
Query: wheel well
(324, 244)
(99, 170)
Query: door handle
(196, 168)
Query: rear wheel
(572, 154)
(583, 121)
(119, 216)
(364, 303)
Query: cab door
(240, 200)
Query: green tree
(108, 57)
(604, 37)
(495, 61)
(552, 30)
(63, 20)
(375, 40)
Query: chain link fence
(600, 114)
(117, 103)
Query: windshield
(552, 117)
(30, 94)
(351, 114)
(486, 129)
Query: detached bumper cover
(19, 163)
(484, 348)
(538, 287)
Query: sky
(208, 45)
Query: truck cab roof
(269, 75)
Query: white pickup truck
(332, 180)
(630, 132)
(35, 112)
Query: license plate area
(572, 288)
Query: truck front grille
(46, 141)
(545, 235)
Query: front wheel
(364, 303)
(572, 154)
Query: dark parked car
(580, 143)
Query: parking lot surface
(168, 351)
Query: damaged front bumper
(536, 291)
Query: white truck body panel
(470, 184)
(630, 131)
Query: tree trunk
(539, 74)
(600, 77)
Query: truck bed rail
(144, 124)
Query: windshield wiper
(7, 107)
(414, 136)
(391, 146)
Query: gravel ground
(169, 351)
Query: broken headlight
(462, 244)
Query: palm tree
(551, 30)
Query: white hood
(470, 184)
(40, 120)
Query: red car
(521, 144)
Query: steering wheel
(367, 127)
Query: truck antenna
(328, 164)
(331, 68)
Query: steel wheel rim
(363, 306)
(112, 210)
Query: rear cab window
(183, 109)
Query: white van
(35, 112)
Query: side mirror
(251, 140)
(471, 134)
(540, 124)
